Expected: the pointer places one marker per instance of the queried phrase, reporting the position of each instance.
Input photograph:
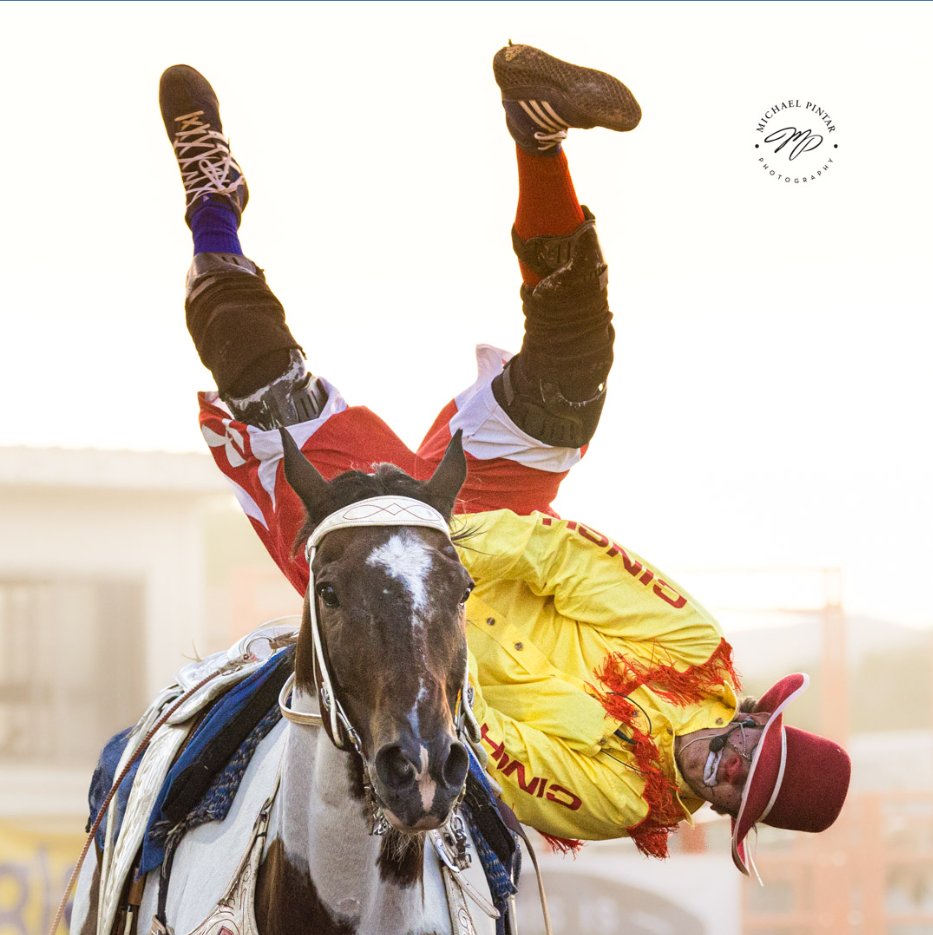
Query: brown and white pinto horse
(389, 601)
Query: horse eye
(328, 596)
(466, 593)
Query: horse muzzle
(419, 783)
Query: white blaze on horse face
(407, 559)
(426, 785)
(413, 719)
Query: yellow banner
(36, 860)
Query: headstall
(374, 511)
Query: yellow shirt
(556, 603)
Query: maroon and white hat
(797, 780)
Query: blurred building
(116, 567)
(102, 588)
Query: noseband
(374, 511)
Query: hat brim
(768, 762)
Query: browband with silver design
(378, 511)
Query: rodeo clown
(606, 695)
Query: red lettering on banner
(677, 601)
(574, 800)
(572, 526)
(542, 787)
(547, 520)
(519, 768)
(646, 577)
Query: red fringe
(620, 676)
(562, 845)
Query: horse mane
(353, 486)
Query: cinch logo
(538, 786)
(792, 139)
(644, 575)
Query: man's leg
(555, 387)
(239, 330)
(236, 322)
(526, 419)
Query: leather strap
(546, 254)
(508, 816)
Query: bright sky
(769, 403)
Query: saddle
(124, 829)
(192, 768)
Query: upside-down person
(605, 693)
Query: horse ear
(446, 481)
(303, 477)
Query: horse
(381, 667)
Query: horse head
(383, 636)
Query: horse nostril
(456, 766)
(393, 768)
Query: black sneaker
(544, 97)
(191, 114)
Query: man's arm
(552, 787)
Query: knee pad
(293, 396)
(568, 338)
(569, 263)
(540, 409)
(235, 321)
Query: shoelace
(208, 168)
(550, 139)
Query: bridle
(374, 511)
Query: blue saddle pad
(210, 767)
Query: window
(72, 664)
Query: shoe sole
(584, 97)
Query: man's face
(726, 795)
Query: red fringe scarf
(620, 676)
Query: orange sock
(547, 201)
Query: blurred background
(765, 440)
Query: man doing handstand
(606, 694)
